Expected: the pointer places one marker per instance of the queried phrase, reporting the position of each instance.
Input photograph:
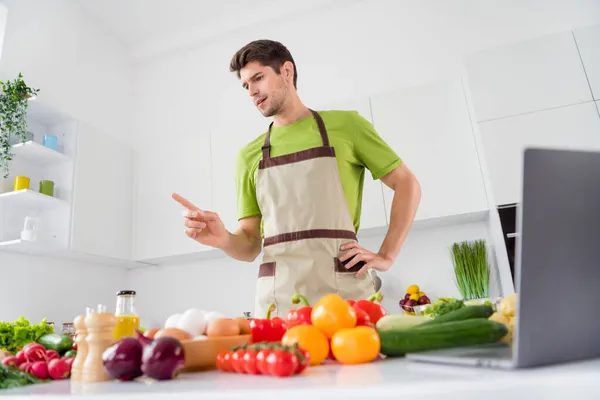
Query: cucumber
(54, 341)
(395, 343)
(464, 313)
(70, 354)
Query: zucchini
(445, 335)
(464, 313)
(399, 322)
(54, 341)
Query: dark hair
(269, 53)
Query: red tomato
(249, 362)
(261, 361)
(282, 363)
(237, 362)
(304, 363)
(227, 366)
(220, 360)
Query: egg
(192, 321)
(212, 316)
(172, 321)
(223, 327)
(244, 325)
(173, 332)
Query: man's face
(267, 88)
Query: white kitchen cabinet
(373, 210)
(429, 127)
(574, 127)
(102, 196)
(588, 41)
(528, 76)
(178, 164)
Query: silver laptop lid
(558, 258)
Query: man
(299, 187)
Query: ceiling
(142, 23)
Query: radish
(34, 352)
(11, 361)
(21, 357)
(59, 369)
(26, 366)
(39, 369)
(52, 354)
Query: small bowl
(420, 310)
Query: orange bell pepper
(332, 313)
(356, 345)
(309, 338)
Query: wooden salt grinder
(100, 326)
(81, 331)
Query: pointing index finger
(184, 202)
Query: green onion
(471, 269)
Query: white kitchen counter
(392, 378)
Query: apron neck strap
(267, 145)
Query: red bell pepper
(299, 316)
(267, 330)
(374, 311)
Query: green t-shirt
(357, 146)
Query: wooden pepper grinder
(100, 326)
(81, 331)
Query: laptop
(557, 268)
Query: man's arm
(245, 243)
(407, 196)
(206, 228)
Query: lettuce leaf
(16, 334)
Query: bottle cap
(126, 293)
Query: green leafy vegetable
(14, 335)
(442, 306)
(471, 269)
(13, 377)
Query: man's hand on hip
(203, 226)
(357, 253)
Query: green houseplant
(13, 117)
(471, 269)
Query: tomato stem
(377, 296)
(298, 298)
(270, 310)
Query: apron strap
(266, 148)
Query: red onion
(123, 359)
(163, 358)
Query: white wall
(342, 53)
(83, 71)
(37, 288)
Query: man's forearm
(404, 207)
(242, 246)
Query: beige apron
(306, 219)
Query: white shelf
(32, 200)
(38, 154)
(27, 247)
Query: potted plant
(13, 118)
